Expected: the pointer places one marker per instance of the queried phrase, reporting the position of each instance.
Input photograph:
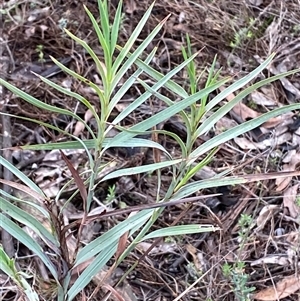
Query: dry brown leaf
(279, 120)
(241, 109)
(282, 183)
(224, 124)
(79, 127)
(180, 27)
(287, 286)
(274, 259)
(29, 32)
(289, 156)
(121, 245)
(193, 251)
(245, 112)
(289, 198)
(261, 99)
(265, 214)
(130, 6)
(162, 248)
(244, 143)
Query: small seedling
(39, 49)
(111, 195)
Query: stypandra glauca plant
(195, 112)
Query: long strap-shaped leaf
(17, 232)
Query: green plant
(111, 195)
(236, 272)
(39, 49)
(243, 34)
(193, 271)
(240, 281)
(244, 223)
(194, 110)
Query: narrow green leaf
(196, 186)
(222, 111)
(116, 27)
(129, 62)
(100, 67)
(239, 130)
(88, 273)
(34, 101)
(95, 87)
(134, 35)
(90, 144)
(148, 94)
(76, 96)
(46, 125)
(140, 169)
(104, 19)
(171, 85)
(103, 40)
(37, 103)
(17, 232)
(19, 175)
(112, 236)
(8, 267)
(238, 84)
(180, 230)
(128, 84)
(26, 219)
(164, 115)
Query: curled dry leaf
(256, 2)
(245, 112)
(279, 120)
(282, 183)
(244, 143)
(266, 213)
(287, 286)
(130, 6)
(289, 156)
(261, 99)
(198, 258)
(224, 124)
(274, 259)
(79, 127)
(289, 201)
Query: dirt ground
(241, 34)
